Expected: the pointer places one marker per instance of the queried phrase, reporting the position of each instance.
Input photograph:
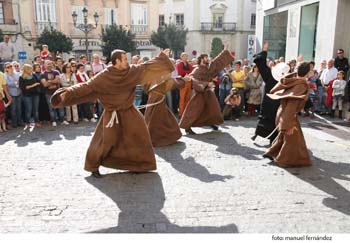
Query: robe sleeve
(219, 63)
(199, 86)
(154, 70)
(287, 119)
(77, 94)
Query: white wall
(325, 28)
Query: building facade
(313, 28)
(24, 20)
(230, 20)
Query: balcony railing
(211, 26)
(40, 26)
(7, 21)
(139, 29)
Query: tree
(116, 37)
(170, 36)
(1, 35)
(56, 40)
(216, 47)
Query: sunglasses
(8, 67)
(74, 66)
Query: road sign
(22, 55)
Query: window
(253, 20)
(1, 14)
(45, 11)
(218, 19)
(110, 16)
(179, 19)
(79, 11)
(308, 27)
(282, 2)
(275, 32)
(161, 20)
(138, 17)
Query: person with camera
(225, 85)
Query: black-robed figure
(266, 120)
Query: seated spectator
(232, 105)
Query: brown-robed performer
(289, 148)
(121, 139)
(203, 109)
(161, 122)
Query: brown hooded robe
(121, 139)
(161, 122)
(289, 150)
(203, 109)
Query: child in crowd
(44, 54)
(3, 106)
(338, 94)
(232, 105)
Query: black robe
(267, 116)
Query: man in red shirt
(184, 68)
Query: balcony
(8, 26)
(40, 26)
(139, 29)
(211, 26)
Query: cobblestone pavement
(213, 182)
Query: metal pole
(86, 45)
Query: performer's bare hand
(167, 52)
(187, 78)
(226, 46)
(63, 96)
(265, 46)
(291, 131)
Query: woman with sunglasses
(30, 87)
(12, 80)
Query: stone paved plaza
(215, 182)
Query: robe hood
(290, 88)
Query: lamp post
(85, 27)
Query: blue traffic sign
(22, 55)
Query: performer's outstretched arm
(219, 63)
(260, 61)
(156, 69)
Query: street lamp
(85, 27)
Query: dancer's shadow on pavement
(322, 175)
(187, 166)
(23, 136)
(140, 198)
(226, 144)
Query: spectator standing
(238, 76)
(7, 51)
(68, 79)
(44, 114)
(85, 110)
(12, 81)
(338, 94)
(97, 66)
(341, 63)
(225, 84)
(30, 87)
(253, 82)
(50, 79)
(3, 107)
(329, 74)
(3, 87)
(59, 64)
(319, 107)
(84, 60)
(183, 68)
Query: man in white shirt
(329, 74)
(7, 53)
